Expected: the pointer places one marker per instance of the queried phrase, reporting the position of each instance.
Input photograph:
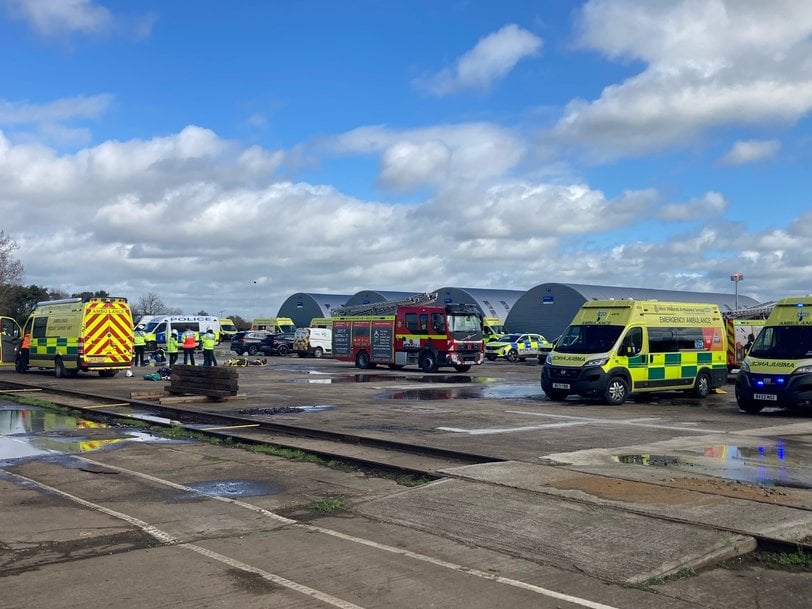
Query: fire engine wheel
(702, 386)
(462, 367)
(362, 360)
(252, 349)
(512, 355)
(318, 352)
(428, 362)
(616, 391)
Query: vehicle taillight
(80, 347)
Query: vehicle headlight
(803, 370)
(596, 362)
(744, 366)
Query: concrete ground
(595, 506)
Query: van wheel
(616, 391)
(252, 349)
(702, 387)
(318, 352)
(362, 360)
(748, 406)
(557, 395)
(427, 362)
(59, 368)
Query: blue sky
(224, 158)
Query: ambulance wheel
(616, 391)
(59, 369)
(462, 367)
(748, 406)
(427, 362)
(252, 349)
(512, 355)
(556, 394)
(362, 360)
(702, 386)
(318, 352)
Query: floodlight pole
(736, 278)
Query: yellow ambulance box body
(616, 347)
(777, 370)
(90, 334)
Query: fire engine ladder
(759, 311)
(383, 308)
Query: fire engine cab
(398, 334)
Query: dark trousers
(189, 354)
(173, 357)
(139, 355)
(208, 357)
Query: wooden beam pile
(210, 381)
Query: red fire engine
(409, 333)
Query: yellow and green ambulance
(777, 370)
(616, 347)
(87, 334)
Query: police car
(517, 347)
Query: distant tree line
(17, 300)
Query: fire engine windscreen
(465, 327)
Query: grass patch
(799, 559)
(329, 504)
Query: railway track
(369, 453)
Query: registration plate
(561, 386)
(770, 397)
(92, 359)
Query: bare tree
(150, 304)
(11, 269)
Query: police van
(161, 326)
(87, 334)
(777, 370)
(616, 347)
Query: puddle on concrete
(529, 391)
(31, 432)
(228, 488)
(262, 412)
(769, 464)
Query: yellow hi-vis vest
(171, 344)
(208, 341)
(139, 340)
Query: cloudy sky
(227, 155)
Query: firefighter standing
(208, 348)
(189, 344)
(172, 347)
(140, 346)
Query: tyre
(616, 391)
(558, 395)
(462, 367)
(512, 355)
(427, 362)
(702, 386)
(252, 349)
(282, 350)
(748, 406)
(59, 368)
(362, 360)
(318, 352)
(490, 358)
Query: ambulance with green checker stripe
(616, 347)
(777, 370)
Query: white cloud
(751, 151)
(493, 57)
(53, 17)
(711, 205)
(707, 63)
(66, 109)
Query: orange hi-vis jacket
(189, 341)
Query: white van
(161, 326)
(317, 342)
